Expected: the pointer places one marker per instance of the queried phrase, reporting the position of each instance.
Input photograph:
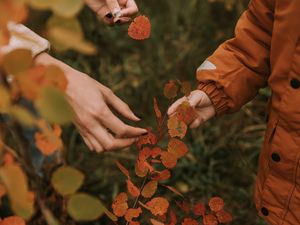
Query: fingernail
(118, 22)
(116, 13)
(109, 15)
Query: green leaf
(22, 115)
(15, 182)
(53, 106)
(16, 61)
(67, 180)
(83, 207)
(67, 8)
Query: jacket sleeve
(236, 71)
(23, 37)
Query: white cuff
(22, 37)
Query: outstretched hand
(113, 11)
(202, 104)
(92, 102)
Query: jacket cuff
(216, 94)
(23, 37)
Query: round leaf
(67, 180)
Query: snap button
(275, 157)
(264, 211)
(295, 83)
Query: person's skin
(113, 11)
(201, 102)
(91, 102)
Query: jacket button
(275, 157)
(264, 211)
(295, 83)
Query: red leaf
(13, 220)
(186, 113)
(155, 152)
(140, 28)
(157, 111)
(144, 153)
(176, 127)
(132, 213)
(168, 159)
(173, 218)
(224, 217)
(216, 204)
(149, 189)
(210, 220)
(156, 222)
(140, 169)
(150, 138)
(161, 175)
(134, 223)
(132, 189)
(177, 147)
(199, 209)
(170, 89)
(173, 190)
(120, 204)
(184, 206)
(189, 221)
(123, 169)
(158, 206)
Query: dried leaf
(216, 204)
(224, 217)
(170, 89)
(168, 159)
(132, 189)
(123, 169)
(177, 147)
(176, 127)
(133, 213)
(120, 204)
(140, 28)
(189, 221)
(149, 189)
(186, 113)
(199, 209)
(158, 206)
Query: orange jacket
(265, 51)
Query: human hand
(113, 11)
(202, 104)
(91, 102)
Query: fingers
(109, 120)
(175, 105)
(204, 114)
(130, 10)
(114, 7)
(121, 20)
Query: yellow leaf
(41, 5)
(23, 116)
(5, 100)
(16, 61)
(67, 8)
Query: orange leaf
(120, 204)
(186, 113)
(144, 153)
(224, 217)
(158, 206)
(134, 223)
(123, 169)
(149, 189)
(168, 159)
(8, 159)
(155, 152)
(176, 127)
(199, 209)
(173, 190)
(132, 213)
(157, 112)
(216, 204)
(210, 220)
(184, 206)
(161, 175)
(156, 222)
(140, 28)
(140, 169)
(132, 189)
(189, 221)
(170, 89)
(186, 88)
(150, 138)
(13, 220)
(177, 147)
(48, 141)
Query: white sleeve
(23, 37)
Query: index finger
(130, 10)
(114, 7)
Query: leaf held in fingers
(216, 204)
(132, 189)
(140, 28)
(158, 206)
(186, 113)
(176, 127)
(149, 189)
(120, 204)
(170, 89)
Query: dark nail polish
(145, 133)
(118, 22)
(109, 15)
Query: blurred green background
(224, 152)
